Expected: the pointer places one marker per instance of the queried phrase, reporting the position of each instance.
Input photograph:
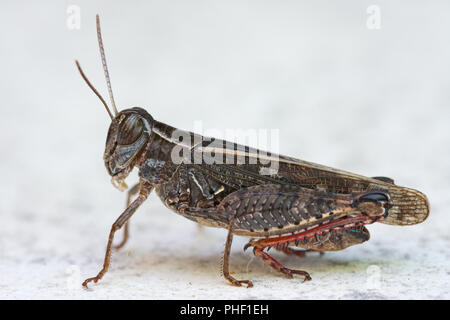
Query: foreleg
(131, 192)
(144, 190)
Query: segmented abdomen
(277, 209)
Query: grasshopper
(301, 206)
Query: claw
(290, 272)
(307, 278)
(89, 280)
(238, 283)
(95, 279)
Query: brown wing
(409, 206)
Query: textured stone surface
(371, 102)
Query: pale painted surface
(374, 102)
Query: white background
(374, 102)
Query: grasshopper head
(129, 130)
(127, 135)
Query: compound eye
(375, 196)
(130, 130)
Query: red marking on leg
(325, 228)
(278, 266)
(290, 251)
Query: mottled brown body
(297, 204)
(302, 204)
(302, 192)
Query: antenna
(93, 89)
(105, 67)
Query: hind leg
(299, 253)
(258, 250)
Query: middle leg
(226, 262)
